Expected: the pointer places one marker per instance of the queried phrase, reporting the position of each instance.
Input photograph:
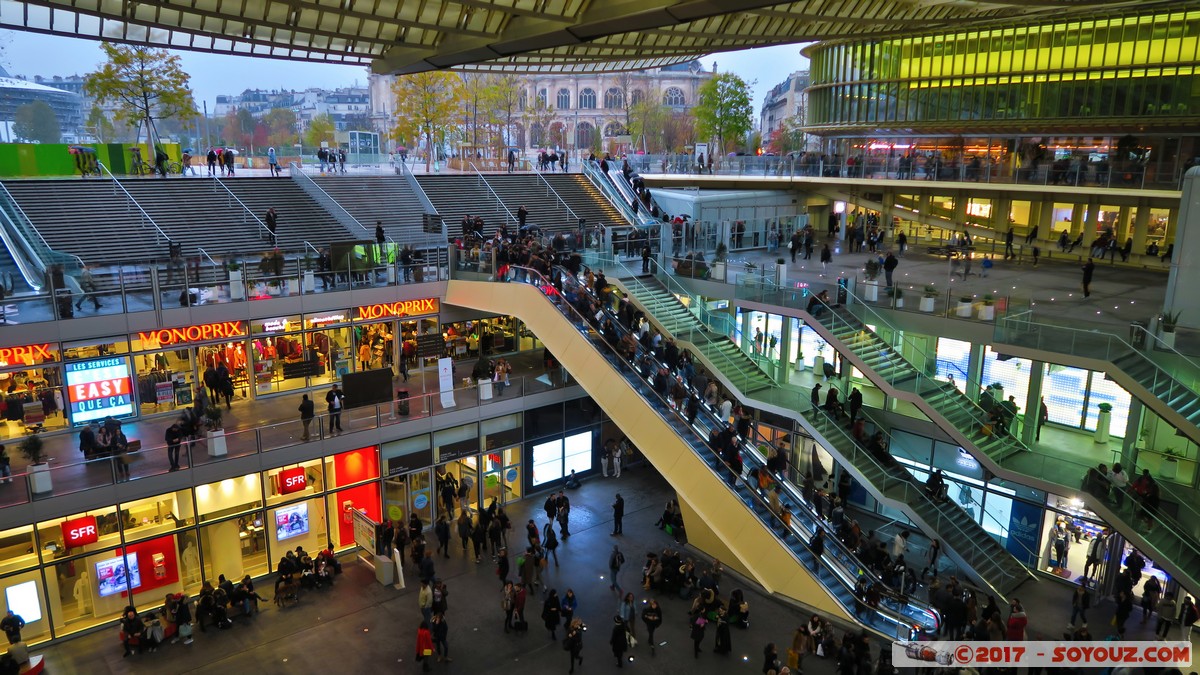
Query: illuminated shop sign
(80, 531)
(99, 388)
(292, 480)
(274, 325)
(209, 331)
(399, 309)
(26, 354)
(326, 319)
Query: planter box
(899, 303)
(781, 275)
(40, 482)
(1168, 468)
(871, 291)
(216, 444)
(717, 271)
(293, 287)
(1168, 339)
(309, 282)
(963, 309)
(987, 312)
(237, 289)
(927, 304)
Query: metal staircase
(970, 543)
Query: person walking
(174, 439)
(87, 284)
(618, 508)
(1167, 611)
(11, 624)
(550, 541)
(890, 263)
(574, 643)
(1008, 244)
(826, 258)
(652, 617)
(273, 163)
(440, 630)
(619, 640)
(697, 633)
(424, 645)
(335, 398)
(1088, 270)
(551, 613)
(307, 413)
(212, 161)
(615, 560)
(627, 610)
(272, 220)
(1081, 601)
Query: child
(986, 265)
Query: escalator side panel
(752, 548)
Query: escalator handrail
(905, 478)
(571, 312)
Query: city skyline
(32, 54)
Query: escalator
(1172, 541)
(970, 545)
(729, 516)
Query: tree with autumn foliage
(281, 128)
(724, 110)
(145, 84)
(426, 106)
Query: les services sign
(292, 480)
(80, 531)
(401, 308)
(99, 388)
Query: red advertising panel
(80, 531)
(292, 480)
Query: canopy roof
(407, 36)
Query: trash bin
(402, 401)
(1137, 334)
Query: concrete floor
(361, 626)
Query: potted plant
(987, 311)
(309, 279)
(1170, 464)
(780, 271)
(870, 286)
(1103, 422)
(33, 450)
(216, 431)
(237, 289)
(1169, 321)
(964, 307)
(928, 298)
(720, 257)
(897, 297)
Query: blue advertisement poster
(1024, 525)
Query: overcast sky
(30, 54)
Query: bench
(34, 666)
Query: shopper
(615, 560)
(619, 641)
(425, 600)
(652, 617)
(307, 413)
(174, 439)
(1088, 269)
(574, 643)
(552, 613)
(440, 631)
(618, 507)
(424, 645)
(1166, 616)
(12, 624)
(335, 399)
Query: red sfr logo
(80, 531)
(292, 480)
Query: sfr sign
(80, 531)
(292, 480)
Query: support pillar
(747, 340)
(1045, 219)
(1184, 277)
(974, 383)
(1123, 231)
(1077, 221)
(1090, 223)
(1033, 402)
(1141, 226)
(785, 349)
(960, 209)
(1001, 210)
(1129, 451)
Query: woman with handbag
(424, 645)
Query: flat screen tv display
(291, 521)
(111, 575)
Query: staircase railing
(145, 220)
(838, 561)
(219, 185)
(331, 205)
(606, 188)
(427, 207)
(30, 252)
(508, 215)
(562, 202)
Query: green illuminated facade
(1075, 88)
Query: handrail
(508, 215)
(307, 245)
(411, 178)
(35, 278)
(845, 578)
(245, 209)
(206, 255)
(574, 216)
(16, 205)
(146, 216)
(325, 199)
(604, 184)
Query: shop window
(578, 451)
(544, 421)
(580, 412)
(165, 380)
(26, 597)
(547, 462)
(407, 454)
(916, 448)
(1064, 389)
(154, 516)
(33, 392)
(502, 475)
(465, 475)
(300, 523)
(374, 346)
(355, 466)
(79, 533)
(455, 443)
(18, 549)
(92, 349)
(235, 547)
(228, 497)
(1011, 373)
(1104, 390)
(291, 482)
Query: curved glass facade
(1069, 75)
